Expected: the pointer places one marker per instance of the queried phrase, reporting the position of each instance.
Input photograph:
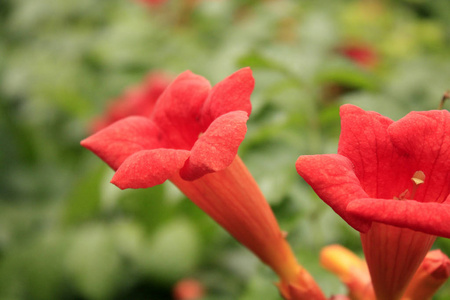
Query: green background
(67, 233)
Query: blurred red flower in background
(188, 289)
(154, 3)
(136, 101)
(362, 54)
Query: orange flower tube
(233, 199)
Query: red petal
(231, 94)
(177, 111)
(365, 141)
(123, 138)
(332, 177)
(217, 147)
(425, 138)
(431, 218)
(148, 168)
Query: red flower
(363, 55)
(390, 181)
(154, 3)
(193, 130)
(136, 101)
(188, 289)
(192, 138)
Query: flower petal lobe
(217, 147)
(123, 138)
(365, 141)
(178, 110)
(148, 168)
(431, 218)
(425, 138)
(333, 179)
(231, 94)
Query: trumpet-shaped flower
(391, 181)
(192, 138)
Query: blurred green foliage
(67, 233)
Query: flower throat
(417, 179)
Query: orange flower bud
(432, 273)
(350, 269)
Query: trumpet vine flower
(191, 138)
(390, 181)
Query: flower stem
(444, 98)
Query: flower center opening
(417, 179)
